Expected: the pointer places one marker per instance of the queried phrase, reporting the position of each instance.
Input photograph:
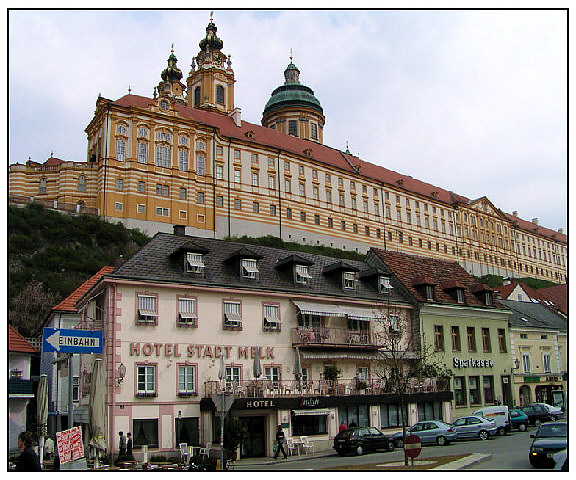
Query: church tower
(211, 78)
(293, 109)
(171, 86)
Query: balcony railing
(294, 388)
(334, 337)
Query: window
(119, 206)
(456, 347)
(201, 165)
(146, 380)
(471, 334)
(256, 207)
(249, 268)
(488, 387)
(163, 211)
(197, 96)
(315, 194)
(329, 196)
(474, 390)
(232, 375)
(186, 380)
(166, 191)
(141, 187)
(163, 156)
(314, 131)
(349, 280)
(120, 150)
(293, 127)
(303, 217)
(187, 315)
(271, 182)
(317, 219)
(272, 210)
(147, 309)
(237, 204)
(143, 132)
(343, 225)
(232, 314)
(438, 338)
(219, 201)
(287, 185)
(183, 193)
(459, 295)
(141, 208)
(302, 274)
(194, 262)
(271, 317)
(384, 285)
(82, 183)
(502, 340)
(394, 323)
(486, 345)
(459, 391)
(219, 172)
(330, 222)
(255, 179)
(220, 94)
(237, 176)
(390, 415)
(120, 185)
(429, 411)
(430, 291)
(75, 389)
(526, 363)
(547, 362)
(288, 213)
(183, 160)
(309, 425)
(302, 189)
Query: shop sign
(552, 379)
(531, 379)
(259, 404)
(309, 402)
(472, 363)
(177, 350)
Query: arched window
(197, 98)
(120, 150)
(220, 94)
(143, 152)
(82, 183)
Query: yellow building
(185, 156)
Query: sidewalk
(249, 462)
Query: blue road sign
(72, 341)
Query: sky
(472, 101)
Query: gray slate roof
(536, 314)
(155, 262)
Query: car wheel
(341, 452)
(400, 443)
(522, 427)
(390, 445)
(537, 423)
(359, 450)
(483, 435)
(501, 431)
(441, 441)
(553, 417)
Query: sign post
(412, 447)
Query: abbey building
(186, 157)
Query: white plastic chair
(307, 445)
(291, 446)
(205, 452)
(184, 452)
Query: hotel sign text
(138, 349)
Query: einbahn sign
(72, 341)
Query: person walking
(280, 441)
(28, 460)
(342, 426)
(129, 444)
(122, 443)
(48, 447)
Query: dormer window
(194, 262)
(429, 290)
(488, 298)
(302, 274)
(249, 268)
(459, 292)
(384, 285)
(349, 281)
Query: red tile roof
(17, 343)
(558, 295)
(532, 227)
(69, 303)
(411, 268)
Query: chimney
(236, 115)
(535, 221)
(561, 231)
(515, 213)
(180, 230)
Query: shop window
(187, 431)
(474, 390)
(459, 391)
(430, 411)
(390, 415)
(488, 387)
(358, 415)
(309, 425)
(145, 432)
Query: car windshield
(553, 430)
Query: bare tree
(30, 307)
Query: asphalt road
(509, 452)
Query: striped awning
(359, 313)
(342, 355)
(315, 411)
(322, 309)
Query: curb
(464, 462)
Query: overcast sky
(470, 101)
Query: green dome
(292, 95)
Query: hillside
(50, 254)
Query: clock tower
(211, 78)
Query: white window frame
(148, 375)
(194, 262)
(349, 280)
(271, 316)
(147, 309)
(119, 206)
(183, 160)
(249, 268)
(547, 362)
(526, 363)
(233, 374)
(120, 150)
(384, 285)
(141, 208)
(272, 373)
(232, 313)
(201, 165)
(302, 274)
(163, 211)
(187, 379)
(187, 312)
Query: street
(507, 453)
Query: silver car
(474, 427)
(430, 431)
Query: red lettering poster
(70, 445)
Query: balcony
(342, 387)
(21, 388)
(334, 338)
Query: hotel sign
(472, 363)
(177, 350)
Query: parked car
(554, 411)
(474, 427)
(501, 416)
(549, 439)
(361, 440)
(519, 419)
(537, 414)
(430, 431)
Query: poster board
(70, 445)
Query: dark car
(431, 431)
(361, 440)
(537, 414)
(519, 419)
(549, 439)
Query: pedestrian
(129, 444)
(122, 444)
(342, 426)
(353, 424)
(280, 441)
(28, 460)
(48, 447)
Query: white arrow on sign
(57, 340)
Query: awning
(322, 309)
(343, 355)
(187, 315)
(315, 411)
(250, 268)
(196, 263)
(233, 317)
(148, 313)
(272, 319)
(359, 313)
